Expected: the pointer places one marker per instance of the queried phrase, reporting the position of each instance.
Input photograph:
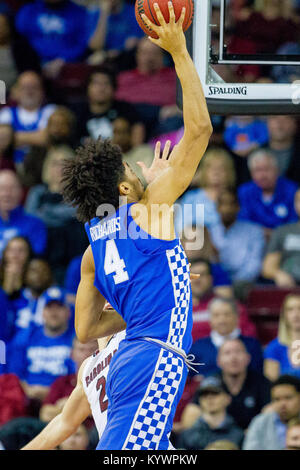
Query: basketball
(147, 7)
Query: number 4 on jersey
(114, 264)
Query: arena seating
(263, 305)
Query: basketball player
(137, 263)
(88, 397)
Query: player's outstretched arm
(75, 411)
(185, 158)
(91, 321)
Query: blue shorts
(144, 385)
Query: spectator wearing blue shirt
(55, 29)
(113, 27)
(29, 117)
(240, 243)
(282, 355)
(268, 199)
(39, 355)
(243, 134)
(14, 221)
(224, 325)
(28, 307)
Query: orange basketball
(147, 7)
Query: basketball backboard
(207, 45)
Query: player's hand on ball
(159, 164)
(170, 35)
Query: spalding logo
(218, 90)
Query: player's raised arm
(185, 158)
(91, 320)
(75, 411)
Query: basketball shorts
(144, 385)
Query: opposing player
(88, 397)
(136, 262)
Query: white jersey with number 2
(94, 380)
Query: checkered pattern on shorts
(179, 267)
(151, 417)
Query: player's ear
(125, 188)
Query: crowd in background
(81, 69)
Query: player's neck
(127, 200)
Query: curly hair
(91, 178)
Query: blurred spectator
(281, 355)
(243, 134)
(13, 402)
(287, 73)
(39, 355)
(14, 221)
(56, 30)
(284, 144)
(214, 423)
(282, 261)
(16, 433)
(216, 173)
(268, 28)
(249, 389)
(122, 136)
(240, 243)
(13, 265)
(293, 435)
(224, 325)
(268, 199)
(63, 386)
(59, 133)
(16, 55)
(113, 27)
(45, 201)
(6, 147)
(198, 245)
(241, 9)
(30, 304)
(142, 87)
(204, 289)
(96, 116)
(78, 441)
(8, 68)
(66, 236)
(30, 116)
(267, 431)
(143, 84)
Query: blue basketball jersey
(145, 279)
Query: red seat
(264, 305)
(267, 300)
(72, 80)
